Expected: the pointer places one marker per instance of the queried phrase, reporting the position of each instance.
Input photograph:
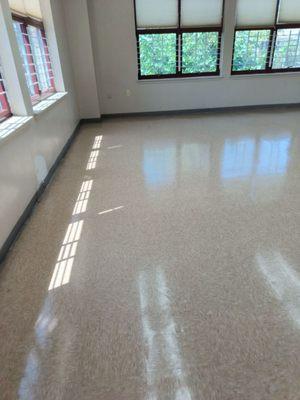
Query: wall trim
(193, 111)
(16, 231)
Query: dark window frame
(25, 22)
(271, 47)
(178, 31)
(6, 113)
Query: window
(178, 38)
(34, 51)
(267, 38)
(4, 105)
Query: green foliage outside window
(287, 49)
(199, 52)
(157, 54)
(251, 50)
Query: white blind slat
(289, 11)
(31, 8)
(256, 12)
(201, 12)
(156, 13)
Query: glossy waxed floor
(162, 263)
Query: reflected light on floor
(97, 142)
(83, 197)
(63, 267)
(160, 337)
(92, 162)
(284, 281)
(110, 210)
(115, 147)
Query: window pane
(4, 106)
(157, 54)
(27, 58)
(200, 52)
(251, 50)
(287, 49)
(39, 56)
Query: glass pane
(27, 59)
(287, 49)
(157, 54)
(4, 106)
(251, 50)
(200, 52)
(40, 62)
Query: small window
(4, 105)
(157, 54)
(178, 38)
(287, 49)
(36, 60)
(251, 50)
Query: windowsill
(48, 103)
(264, 74)
(215, 77)
(11, 126)
(183, 79)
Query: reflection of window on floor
(238, 158)
(195, 157)
(273, 156)
(160, 165)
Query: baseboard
(30, 207)
(193, 111)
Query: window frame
(4, 114)
(39, 94)
(179, 31)
(271, 47)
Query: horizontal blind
(289, 11)
(30, 8)
(201, 13)
(256, 12)
(156, 13)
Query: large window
(178, 38)
(35, 56)
(4, 105)
(267, 38)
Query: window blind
(29, 8)
(256, 12)
(289, 11)
(201, 13)
(156, 13)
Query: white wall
(30, 152)
(79, 38)
(113, 33)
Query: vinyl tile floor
(162, 263)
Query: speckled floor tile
(162, 263)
